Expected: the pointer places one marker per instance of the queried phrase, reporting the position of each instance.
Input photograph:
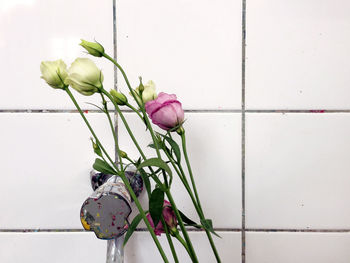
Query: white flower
(149, 92)
(84, 76)
(54, 73)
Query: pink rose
(169, 218)
(165, 111)
(157, 230)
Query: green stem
(171, 245)
(130, 132)
(192, 253)
(201, 215)
(183, 242)
(123, 177)
(171, 200)
(104, 102)
(88, 124)
(133, 108)
(124, 76)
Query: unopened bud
(118, 97)
(94, 48)
(123, 154)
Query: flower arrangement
(165, 111)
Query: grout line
(35, 230)
(300, 230)
(115, 50)
(243, 230)
(186, 110)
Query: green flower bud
(96, 148)
(123, 154)
(118, 97)
(54, 73)
(84, 76)
(94, 48)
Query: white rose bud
(148, 93)
(54, 73)
(84, 76)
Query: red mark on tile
(317, 111)
(86, 111)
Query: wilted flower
(169, 218)
(54, 73)
(148, 92)
(118, 97)
(84, 76)
(165, 111)
(94, 48)
(157, 230)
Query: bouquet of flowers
(165, 111)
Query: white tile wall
(297, 54)
(229, 247)
(298, 247)
(35, 30)
(191, 48)
(45, 163)
(51, 247)
(296, 168)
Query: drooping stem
(123, 177)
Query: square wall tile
(297, 247)
(214, 148)
(298, 54)
(51, 247)
(37, 30)
(141, 248)
(45, 168)
(190, 48)
(297, 171)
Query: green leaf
(156, 162)
(174, 146)
(135, 222)
(188, 221)
(151, 145)
(208, 225)
(156, 205)
(146, 181)
(95, 106)
(103, 167)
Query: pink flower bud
(157, 230)
(169, 218)
(165, 111)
